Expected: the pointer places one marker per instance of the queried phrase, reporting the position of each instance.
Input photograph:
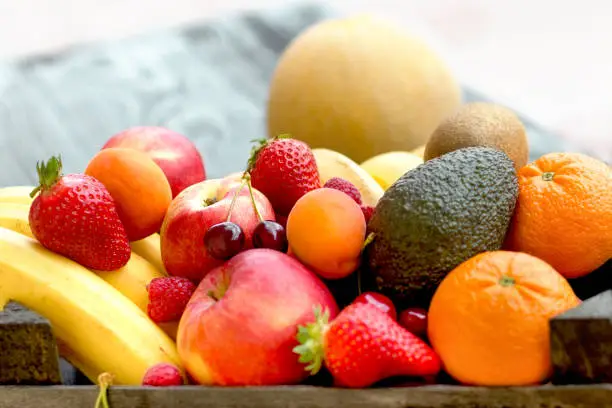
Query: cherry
(270, 234)
(381, 301)
(414, 320)
(224, 240)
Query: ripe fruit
(270, 234)
(381, 301)
(168, 297)
(174, 153)
(387, 167)
(224, 240)
(345, 186)
(414, 320)
(367, 211)
(564, 213)
(239, 326)
(74, 215)
(488, 319)
(162, 375)
(362, 346)
(326, 231)
(283, 169)
(138, 186)
(481, 124)
(379, 88)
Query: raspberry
(345, 186)
(168, 298)
(367, 210)
(162, 375)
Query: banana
(14, 216)
(334, 164)
(149, 248)
(99, 329)
(16, 194)
(386, 168)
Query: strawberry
(283, 169)
(162, 375)
(362, 346)
(75, 216)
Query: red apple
(192, 213)
(174, 153)
(227, 183)
(240, 325)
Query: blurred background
(550, 61)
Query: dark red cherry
(224, 240)
(414, 320)
(270, 234)
(381, 301)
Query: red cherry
(378, 300)
(414, 320)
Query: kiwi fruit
(480, 124)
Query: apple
(240, 325)
(174, 153)
(227, 183)
(193, 212)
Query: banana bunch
(129, 283)
(333, 164)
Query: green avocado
(436, 216)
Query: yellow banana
(386, 168)
(16, 194)
(131, 280)
(99, 329)
(149, 248)
(333, 164)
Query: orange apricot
(326, 230)
(138, 186)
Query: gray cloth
(208, 81)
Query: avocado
(436, 216)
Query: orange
(488, 319)
(564, 213)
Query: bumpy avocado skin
(435, 217)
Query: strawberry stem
(48, 174)
(231, 207)
(104, 380)
(310, 339)
(260, 144)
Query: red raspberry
(345, 186)
(162, 375)
(367, 210)
(168, 298)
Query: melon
(361, 86)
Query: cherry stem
(231, 207)
(247, 177)
(105, 380)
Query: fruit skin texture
(85, 312)
(363, 345)
(138, 186)
(326, 230)
(74, 215)
(437, 216)
(376, 88)
(345, 186)
(481, 124)
(168, 297)
(564, 213)
(488, 320)
(174, 153)
(381, 301)
(284, 169)
(243, 332)
(192, 213)
(162, 375)
(387, 167)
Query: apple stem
(231, 207)
(247, 178)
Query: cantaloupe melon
(361, 86)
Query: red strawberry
(168, 298)
(283, 169)
(345, 186)
(362, 346)
(74, 215)
(162, 375)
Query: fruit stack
(306, 263)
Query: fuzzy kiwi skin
(481, 124)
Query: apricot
(326, 231)
(138, 186)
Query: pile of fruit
(303, 264)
